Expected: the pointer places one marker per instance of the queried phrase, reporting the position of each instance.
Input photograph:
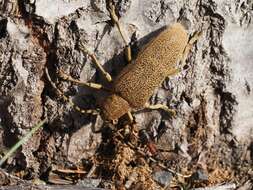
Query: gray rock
(162, 177)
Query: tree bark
(212, 96)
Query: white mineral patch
(19, 69)
(51, 10)
(238, 43)
(18, 33)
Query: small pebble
(162, 177)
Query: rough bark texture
(212, 97)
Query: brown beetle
(133, 87)
(137, 81)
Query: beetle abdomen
(137, 81)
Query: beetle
(135, 84)
(137, 81)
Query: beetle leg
(128, 53)
(97, 63)
(115, 20)
(81, 83)
(160, 106)
(173, 72)
(77, 108)
(130, 116)
(188, 47)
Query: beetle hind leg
(161, 106)
(172, 72)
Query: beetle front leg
(115, 20)
(130, 117)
